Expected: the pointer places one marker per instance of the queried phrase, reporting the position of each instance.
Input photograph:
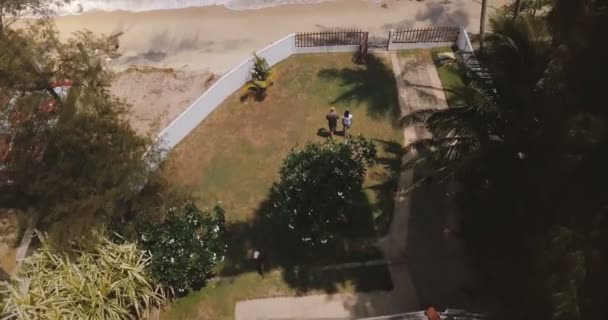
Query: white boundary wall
(241, 74)
(231, 82)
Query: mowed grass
(450, 77)
(235, 154)
(449, 74)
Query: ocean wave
(78, 6)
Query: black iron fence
(438, 34)
(331, 38)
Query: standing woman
(347, 121)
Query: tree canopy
(317, 185)
(66, 150)
(186, 246)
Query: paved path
(418, 246)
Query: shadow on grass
(304, 266)
(385, 193)
(372, 82)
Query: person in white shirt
(347, 121)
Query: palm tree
(460, 136)
(500, 116)
(482, 21)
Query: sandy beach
(215, 38)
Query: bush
(186, 246)
(97, 279)
(317, 184)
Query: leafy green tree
(186, 246)
(317, 185)
(100, 280)
(67, 152)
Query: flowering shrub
(317, 184)
(185, 246)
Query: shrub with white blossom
(317, 184)
(185, 246)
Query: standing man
(332, 121)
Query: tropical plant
(67, 152)
(532, 151)
(186, 246)
(517, 60)
(261, 78)
(317, 185)
(100, 279)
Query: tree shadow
(385, 193)
(432, 267)
(305, 267)
(373, 82)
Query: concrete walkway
(412, 269)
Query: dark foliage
(186, 246)
(317, 186)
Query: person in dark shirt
(332, 121)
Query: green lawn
(235, 154)
(451, 79)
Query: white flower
(306, 239)
(216, 229)
(324, 241)
(171, 241)
(222, 258)
(143, 237)
(172, 260)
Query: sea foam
(78, 6)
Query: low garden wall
(274, 53)
(231, 82)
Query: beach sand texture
(216, 39)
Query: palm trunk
(482, 22)
(517, 9)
